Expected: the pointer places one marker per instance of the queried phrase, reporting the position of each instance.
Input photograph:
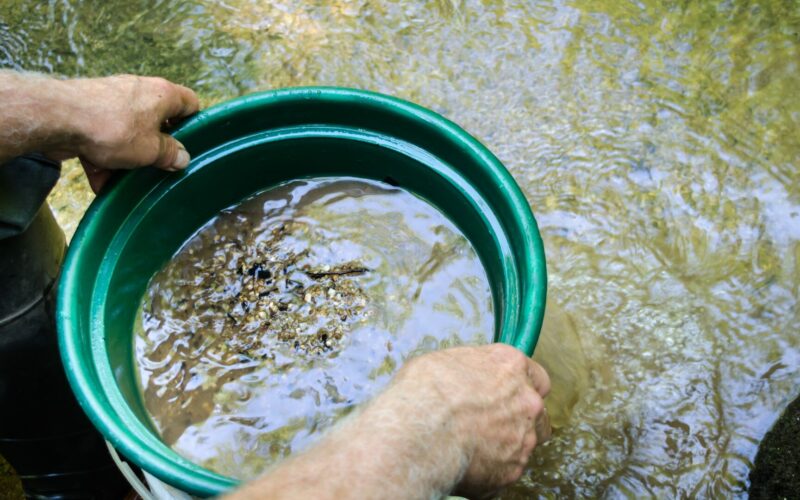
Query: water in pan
(284, 312)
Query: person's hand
(494, 397)
(120, 124)
(466, 417)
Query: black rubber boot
(44, 434)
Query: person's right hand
(465, 417)
(494, 396)
(120, 122)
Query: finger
(529, 442)
(176, 101)
(172, 155)
(191, 104)
(97, 177)
(539, 377)
(543, 428)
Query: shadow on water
(657, 143)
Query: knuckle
(500, 348)
(518, 362)
(543, 379)
(521, 362)
(509, 355)
(156, 87)
(535, 404)
(160, 83)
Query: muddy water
(283, 313)
(657, 143)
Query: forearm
(37, 113)
(396, 447)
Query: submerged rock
(776, 473)
(10, 483)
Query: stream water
(657, 142)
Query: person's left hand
(120, 122)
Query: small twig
(343, 272)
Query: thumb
(172, 155)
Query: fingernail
(182, 159)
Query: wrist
(419, 433)
(430, 395)
(67, 104)
(402, 444)
(39, 115)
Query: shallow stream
(657, 142)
